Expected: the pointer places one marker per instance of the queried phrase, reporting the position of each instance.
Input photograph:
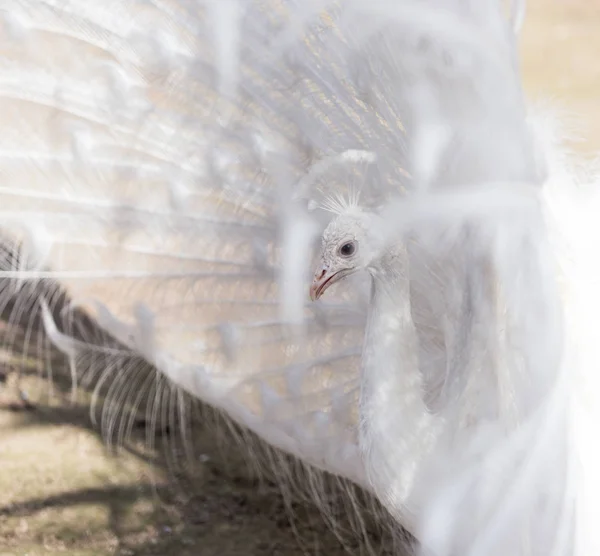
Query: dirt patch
(63, 491)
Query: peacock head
(348, 245)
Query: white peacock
(158, 159)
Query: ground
(63, 491)
(559, 56)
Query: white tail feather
(152, 164)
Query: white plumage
(162, 161)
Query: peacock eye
(348, 249)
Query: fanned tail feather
(154, 169)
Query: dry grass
(62, 492)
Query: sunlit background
(560, 53)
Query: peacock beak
(316, 288)
(322, 280)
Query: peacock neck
(396, 427)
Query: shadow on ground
(65, 489)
